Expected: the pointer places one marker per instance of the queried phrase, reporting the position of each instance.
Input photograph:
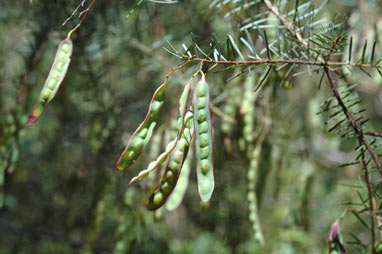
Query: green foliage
(292, 79)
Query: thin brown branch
(281, 61)
(371, 202)
(83, 14)
(353, 123)
(74, 12)
(374, 134)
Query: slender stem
(280, 61)
(351, 120)
(371, 202)
(74, 12)
(374, 134)
(83, 14)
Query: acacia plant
(237, 102)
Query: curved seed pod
(177, 195)
(55, 77)
(203, 141)
(143, 133)
(170, 147)
(252, 200)
(173, 167)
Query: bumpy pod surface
(143, 133)
(248, 108)
(177, 195)
(173, 167)
(252, 200)
(203, 140)
(170, 147)
(55, 77)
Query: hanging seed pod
(169, 148)
(252, 200)
(143, 133)
(55, 77)
(248, 108)
(203, 140)
(173, 167)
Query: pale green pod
(55, 77)
(203, 140)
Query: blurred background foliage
(61, 191)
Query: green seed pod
(54, 80)
(138, 142)
(55, 77)
(204, 142)
(171, 173)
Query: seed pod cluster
(252, 200)
(170, 146)
(203, 140)
(143, 133)
(56, 76)
(173, 167)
